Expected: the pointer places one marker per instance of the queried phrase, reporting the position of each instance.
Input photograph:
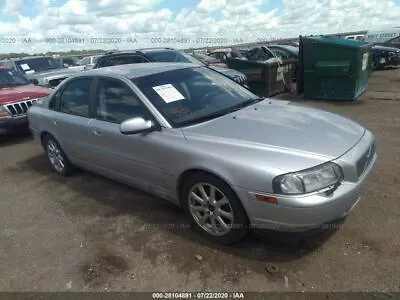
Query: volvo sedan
(231, 160)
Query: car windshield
(167, 56)
(37, 64)
(11, 78)
(193, 95)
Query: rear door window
(122, 60)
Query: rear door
(130, 157)
(70, 120)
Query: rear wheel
(56, 156)
(213, 209)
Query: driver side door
(133, 158)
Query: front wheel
(56, 156)
(213, 209)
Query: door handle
(55, 122)
(97, 132)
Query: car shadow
(17, 137)
(108, 201)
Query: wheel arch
(43, 134)
(195, 170)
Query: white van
(357, 37)
(382, 36)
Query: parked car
(45, 71)
(223, 54)
(70, 63)
(161, 55)
(286, 52)
(88, 61)
(194, 137)
(393, 43)
(208, 60)
(220, 55)
(356, 37)
(17, 94)
(383, 57)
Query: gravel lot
(87, 233)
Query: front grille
(20, 108)
(365, 160)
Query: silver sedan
(192, 136)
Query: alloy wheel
(210, 208)
(55, 156)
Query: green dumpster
(265, 78)
(333, 68)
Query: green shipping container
(334, 68)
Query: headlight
(43, 81)
(308, 181)
(3, 111)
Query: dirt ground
(87, 233)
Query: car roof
(30, 57)
(137, 70)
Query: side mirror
(136, 125)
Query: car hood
(23, 92)
(274, 124)
(52, 73)
(228, 72)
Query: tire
(232, 213)
(54, 154)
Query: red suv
(17, 94)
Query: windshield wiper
(204, 118)
(48, 68)
(222, 112)
(245, 103)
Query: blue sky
(248, 20)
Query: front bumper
(9, 124)
(312, 211)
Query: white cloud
(12, 7)
(237, 19)
(211, 5)
(43, 2)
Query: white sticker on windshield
(25, 67)
(168, 93)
